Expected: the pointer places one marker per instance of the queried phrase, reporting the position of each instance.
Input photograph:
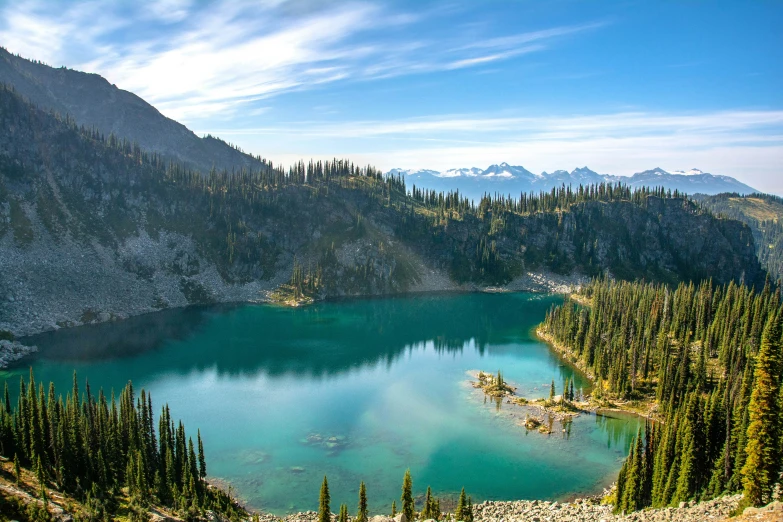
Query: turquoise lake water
(356, 390)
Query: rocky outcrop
(12, 351)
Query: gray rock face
(69, 283)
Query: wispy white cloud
(57, 34)
(577, 127)
(479, 60)
(516, 40)
(169, 11)
(197, 60)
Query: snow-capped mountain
(506, 171)
(509, 179)
(693, 181)
(455, 173)
(692, 172)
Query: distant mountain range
(94, 102)
(514, 179)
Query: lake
(357, 390)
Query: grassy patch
(758, 208)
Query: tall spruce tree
(202, 463)
(426, 511)
(408, 507)
(324, 513)
(763, 463)
(462, 505)
(361, 515)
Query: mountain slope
(763, 213)
(507, 179)
(93, 229)
(94, 102)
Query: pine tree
(361, 515)
(202, 463)
(426, 513)
(462, 505)
(343, 517)
(632, 488)
(324, 514)
(40, 472)
(552, 391)
(394, 508)
(620, 488)
(408, 507)
(17, 470)
(762, 464)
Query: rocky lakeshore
(580, 510)
(590, 510)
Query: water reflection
(125, 338)
(329, 338)
(619, 428)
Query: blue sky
(619, 86)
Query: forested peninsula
(708, 358)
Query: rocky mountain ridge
(93, 102)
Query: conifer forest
(709, 356)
